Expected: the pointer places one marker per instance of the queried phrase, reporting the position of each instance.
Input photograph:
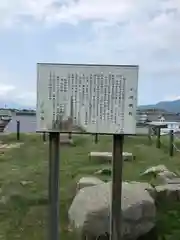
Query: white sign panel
(87, 98)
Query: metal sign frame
(87, 98)
(117, 165)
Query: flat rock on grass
(107, 156)
(90, 215)
(10, 146)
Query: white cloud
(14, 91)
(92, 10)
(141, 32)
(26, 98)
(6, 89)
(68, 11)
(12, 12)
(171, 98)
(155, 22)
(123, 31)
(13, 95)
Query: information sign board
(87, 98)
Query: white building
(171, 125)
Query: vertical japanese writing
(98, 98)
(50, 86)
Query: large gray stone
(87, 182)
(173, 181)
(145, 186)
(168, 192)
(167, 177)
(90, 211)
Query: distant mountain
(170, 106)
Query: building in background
(159, 115)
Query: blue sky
(140, 32)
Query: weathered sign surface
(87, 98)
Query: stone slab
(107, 156)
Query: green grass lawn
(24, 181)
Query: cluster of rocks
(89, 213)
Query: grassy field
(24, 181)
